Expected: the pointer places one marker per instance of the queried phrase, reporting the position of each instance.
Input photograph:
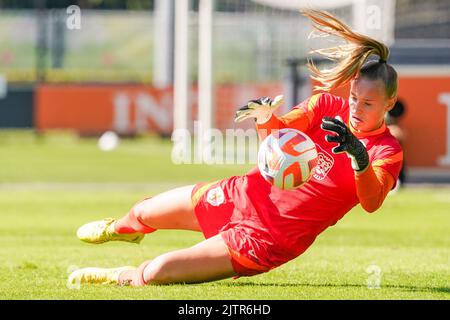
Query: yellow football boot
(96, 275)
(103, 231)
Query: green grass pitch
(52, 184)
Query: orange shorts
(252, 249)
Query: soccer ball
(287, 158)
(108, 141)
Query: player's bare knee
(159, 271)
(139, 212)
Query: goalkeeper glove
(347, 141)
(260, 109)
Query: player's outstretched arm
(260, 109)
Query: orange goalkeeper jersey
(335, 188)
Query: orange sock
(131, 223)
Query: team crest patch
(215, 197)
(324, 165)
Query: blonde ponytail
(350, 57)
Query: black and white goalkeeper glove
(347, 141)
(260, 109)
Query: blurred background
(144, 68)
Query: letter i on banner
(444, 98)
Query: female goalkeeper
(251, 226)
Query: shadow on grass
(329, 285)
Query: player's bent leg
(170, 210)
(206, 261)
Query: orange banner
(426, 121)
(95, 109)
